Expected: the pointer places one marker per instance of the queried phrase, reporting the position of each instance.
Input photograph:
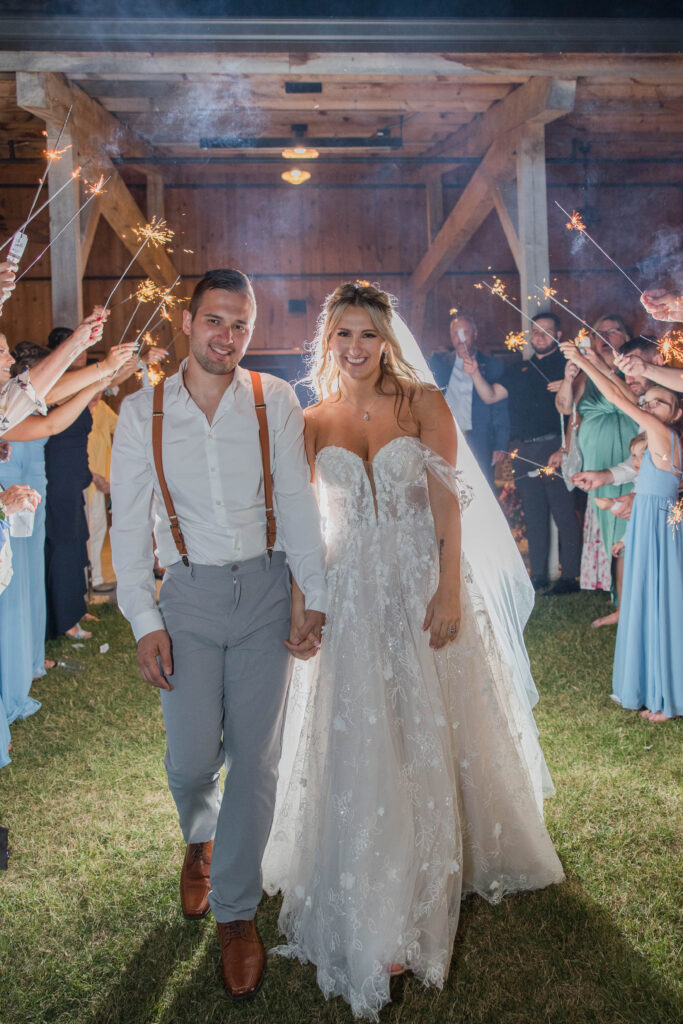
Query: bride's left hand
(443, 617)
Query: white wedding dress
(410, 777)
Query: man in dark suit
(486, 427)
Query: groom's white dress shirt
(214, 475)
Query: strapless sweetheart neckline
(367, 462)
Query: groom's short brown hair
(228, 280)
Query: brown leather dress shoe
(243, 958)
(194, 880)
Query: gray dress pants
(230, 677)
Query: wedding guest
(27, 392)
(634, 365)
(604, 436)
(662, 304)
(104, 421)
(536, 435)
(485, 426)
(649, 648)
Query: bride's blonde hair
(324, 372)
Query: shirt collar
(241, 379)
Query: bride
(411, 772)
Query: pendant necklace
(366, 414)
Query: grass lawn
(90, 923)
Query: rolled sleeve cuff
(25, 383)
(315, 598)
(146, 622)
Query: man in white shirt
(216, 644)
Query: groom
(193, 465)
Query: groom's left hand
(305, 638)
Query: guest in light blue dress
(16, 632)
(648, 660)
(4, 727)
(33, 453)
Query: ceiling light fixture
(296, 176)
(300, 153)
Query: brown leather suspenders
(157, 436)
(264, 442)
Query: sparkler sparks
(574, 223)
(96, 188)
(675, 515)
(515, 342)
(500, 293)
(498, 288)
(671, 345)
(54, 154)
(544, 470)
(157, 232)
(549, 292)
(565, 305)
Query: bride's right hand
(443, 617)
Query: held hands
(443, 616)
(305, 634)
(151, 646)
(19, 497)
(101, 483)
(624, 506)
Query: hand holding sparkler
(154, 355)
(7, 274)
(470, 365)
(663, 305)
(632, 366)
(115, 359)
(89, 332)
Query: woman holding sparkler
(649, 648)
(411, 771)
(604, 436)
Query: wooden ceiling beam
(463, 67)
(473, 206)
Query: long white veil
(490, 549)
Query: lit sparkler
(671, 345)
(515, 342)
(564, 305)
(50, 160)
(576, 224)
(155, 232)
(60, 232)
(96, 188)
(544, 470)
(138, 342)
(74, 174)
(499, 291)
(675, 515)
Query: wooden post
(434, 187)
(65, 254)
(155, 196)
(532, 206)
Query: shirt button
(219, 502)
(234, 568)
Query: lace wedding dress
(409, 777)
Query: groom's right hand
(153, 649)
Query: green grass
(90, 925)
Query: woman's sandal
(76, 633)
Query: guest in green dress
(604, 437)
